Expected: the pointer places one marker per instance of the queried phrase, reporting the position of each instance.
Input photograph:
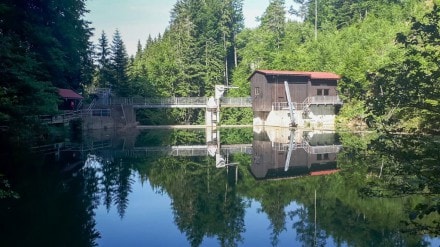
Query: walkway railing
(236, 102)
(96, 113)
(161, 102)
(332, 148)
(277, 106)
(322, 149)
(313, 100)
(64, 117)
(194, 150)
(323, 100)
(179, 102)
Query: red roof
(312, 75)
(68, 94)
(328, 172)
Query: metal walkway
(179, 102)
(188, 151)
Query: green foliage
(119, 64)
(352, 114)
(236, 136)
(407, 165)
(407, 89)
(240, 116)
(41, 47)
(194, 54)
(104, 78)
(6, 190)
(206, 45)
(174, 137)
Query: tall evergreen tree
(274, 20)
(119, 63)
(43, 44)
(105, 77)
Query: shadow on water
(314, 188)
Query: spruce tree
(274, 20)
(43, 45)
(119, 63)
(105, 77)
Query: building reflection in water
(283, 153)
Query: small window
(322, 156)
(319, 92)
(323, 92)
(257, 91)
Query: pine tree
(274, 20)
(105, 77)
(43, 45)
(119, 63)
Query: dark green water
(257, 188)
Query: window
(323, 92)
(319, 92)
(257, 91)
(322, 156)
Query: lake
(224, 187)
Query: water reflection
(230, 187)
(284, 153)
(55, 206)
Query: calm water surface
(232, 187)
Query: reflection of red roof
(312, 75)
(318, 173)
(68, 94)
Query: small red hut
(70, 99)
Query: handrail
(180, 101)
(323, 100)
(312, 100)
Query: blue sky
(136, 19)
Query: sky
(136, 19)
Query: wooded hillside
(386, 51)
(43, 45)
(383, 49)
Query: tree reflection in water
(205, 208)
(384, 193)
(407, 165)
(113, 181)
(204, 203)
(54, 208)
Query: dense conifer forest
(385, 51)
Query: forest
(385, 51)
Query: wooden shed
(268, 88)
(70, 99)
(294, 98)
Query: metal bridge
(179, 102)
(188, 151)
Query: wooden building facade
(270, 90)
